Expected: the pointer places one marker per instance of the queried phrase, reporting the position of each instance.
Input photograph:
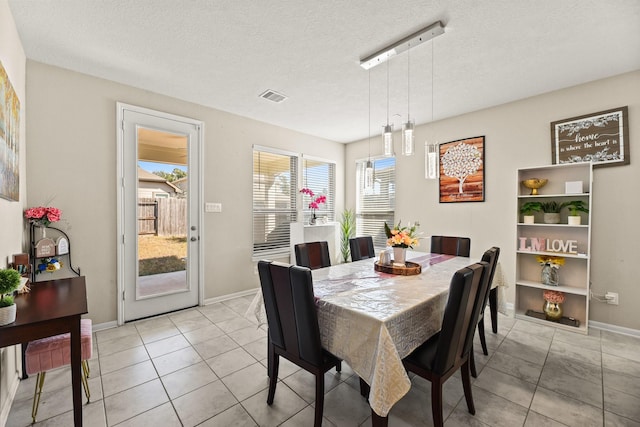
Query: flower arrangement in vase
(400, 238)
(314, 204)
(553, 304)
(550, 266)
(42, 217)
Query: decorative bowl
(534, 183)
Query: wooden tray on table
(410, 268)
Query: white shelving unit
(574, 275)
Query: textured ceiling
(224, 53)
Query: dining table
(372, 319)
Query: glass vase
(549, 275)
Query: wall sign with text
(600, 138)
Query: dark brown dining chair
(313, 255)
(361, 248)
(447, 351)
(490, 256)
(294, 333)
(461, 246)
(450, 245)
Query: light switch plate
(213, 207)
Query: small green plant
(9, 282)
(347, 231)
(552, 207)
(576, 206)
(530, 207)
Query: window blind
(320, 177)
(376, 206)
(275, 186)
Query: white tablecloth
(372, 320)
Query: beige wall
(11, 231)
(72, 157)
(518, 135)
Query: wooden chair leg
(436, 401)
(483, 339)
(319, 399)
(273, 374)
(466, 385)
(472, 364)
(493, 307)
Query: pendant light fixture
(431, 150)
(387, 133)
(368, 168)
(408, 146)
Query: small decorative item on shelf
(400, 238)
(527, 211)
(552, 307)
(9, 282)
(49, 265)
(43, 217)
(575, 206)
(315, 203)
(534, 183)
(551, 212)
(550, 266)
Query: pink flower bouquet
(315, 201)
(43, 216)
(555, 297)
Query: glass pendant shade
(368, 175)
(387, 140)
(408, 146)
(431, 161)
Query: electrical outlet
(612, 298)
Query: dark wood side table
(52, 307)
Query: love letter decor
(600, 138)
(542, 244)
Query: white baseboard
(614, 328)
(230, 296)
(105, 325)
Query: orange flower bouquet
(401, 237)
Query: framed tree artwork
(600, 138)
(462, 170)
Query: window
(320, 177)
(376, 206)
(275, 187)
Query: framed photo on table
(600, 138)
(462, 170)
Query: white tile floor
(206, 367)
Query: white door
(159, 261)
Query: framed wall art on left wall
(9, 139)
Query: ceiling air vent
(272, 95)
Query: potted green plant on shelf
(9, 282)
(576, 206)
(347, 231)
(551, 212)
(527, 211)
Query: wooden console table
(52, 307)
